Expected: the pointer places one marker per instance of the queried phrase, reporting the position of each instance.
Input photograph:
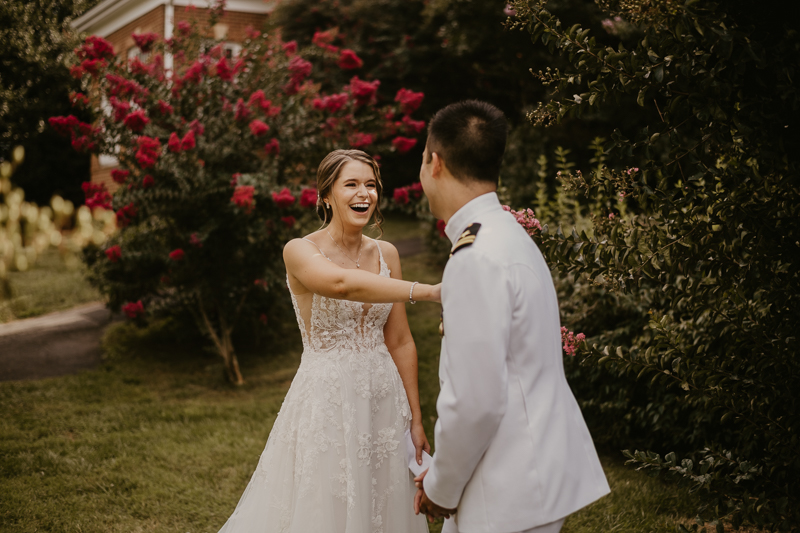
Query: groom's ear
(437, 165)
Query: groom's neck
(460, 193)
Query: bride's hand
(419, 439)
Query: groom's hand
(423, 504)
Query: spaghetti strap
(318, 248)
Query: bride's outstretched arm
(320, 276)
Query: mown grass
(156, 440)
(48, 286)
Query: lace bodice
(342, 326)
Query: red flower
(95, 47)
(114, 253)
(183, 27)
(363, 91)
(195, 72)
(195, 241)
(174, 142)
(413, 126)
(440, 225)
(224, 70)
(119, 176)
(299, 69)
(332, 103)
(63, 125)
(82, 144)
(360, 140)
(403, 144)
(145, 40)
(120, 108)
(273, 147)
(137, 67)
(283, 198)
(401, 196)
(148, 181)
(148, 150)
(324, 38)
(76, 72)
(125, 215)
(136, 121)
(196, 127)
(235, 179)
(258, 128)
(164, 108)
(242, 113)
(251, 32)
(288, 220)
(96, 195)
(308, 197)
(290, 48)
(258, 99)
(78, 99)
(243, 197)
(409, 100)
(349, 60)
(176, 254)
(188, 141)
(133, 310)
(93, 66)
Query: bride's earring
(327, 205)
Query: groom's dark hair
(470, 137)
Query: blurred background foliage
(35, 84)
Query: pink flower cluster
(409, 100)
(526, 219)
(177, 254)
(243, 197)
(114, 253)
(360, 140)
(363, 92)
(81, 133)
(348, 60)
(283, 198)
(571, 341)
(176, 144)
(148, 151)
(332, 103)
(145, 40)
(119, 176)
(308, 197)
(126, 214)
(96, 195)
(403, 195)
(133, 309)
(403, 144)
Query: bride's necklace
(356, 261)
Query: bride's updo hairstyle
(327, 174)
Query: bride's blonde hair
(327, 174)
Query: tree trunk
(223, 343)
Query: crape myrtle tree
(703, 262)
(217, 163)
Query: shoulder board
(466, 238)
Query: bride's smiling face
(354, 194)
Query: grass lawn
(155, 440)
(48, 286)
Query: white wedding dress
(335, 460)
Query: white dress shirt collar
(464, 216)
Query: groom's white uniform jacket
(512, 449)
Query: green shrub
(696, 287)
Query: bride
(335, 460)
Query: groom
(513, 453)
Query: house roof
(110, 15)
